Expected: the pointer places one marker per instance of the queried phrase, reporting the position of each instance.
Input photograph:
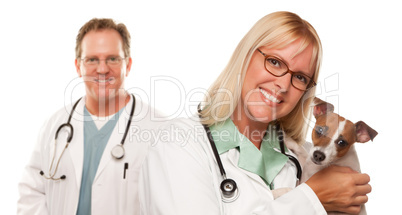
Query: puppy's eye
(319, 130)
(342, 143)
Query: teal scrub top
(95, 142)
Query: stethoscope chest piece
(118, 151)
(229, 190)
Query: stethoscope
(228, 187)
(117, 151)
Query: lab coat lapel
(76, 147)
(114, 139)
(233, 157)
(106, 156)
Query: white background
(191, 42)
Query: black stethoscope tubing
(215, 150)
(293, 159)
(129, 121)
(68, 124)
(229, 187)
(118, 148)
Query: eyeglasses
(278, 68)
(110, 61)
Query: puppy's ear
(321, 107)
(364, 132)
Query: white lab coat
(180, 176)
(111, 194)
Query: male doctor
(98, 172)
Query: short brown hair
(99, 24)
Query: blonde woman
(229, 158)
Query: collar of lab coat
(76, 145)
(266, 162)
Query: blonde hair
(274, 31)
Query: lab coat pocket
(56, 195)
(129, 190)
(132, 179)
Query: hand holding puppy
(340, 188)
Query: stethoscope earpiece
(229, 190)
(51, 177)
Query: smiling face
(265, 97)
(103, 81)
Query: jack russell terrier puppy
(333, 144)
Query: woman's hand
(340, 189)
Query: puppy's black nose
(318, 156)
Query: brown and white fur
(333, 142)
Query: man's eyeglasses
(278, 68)
(110, 61)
